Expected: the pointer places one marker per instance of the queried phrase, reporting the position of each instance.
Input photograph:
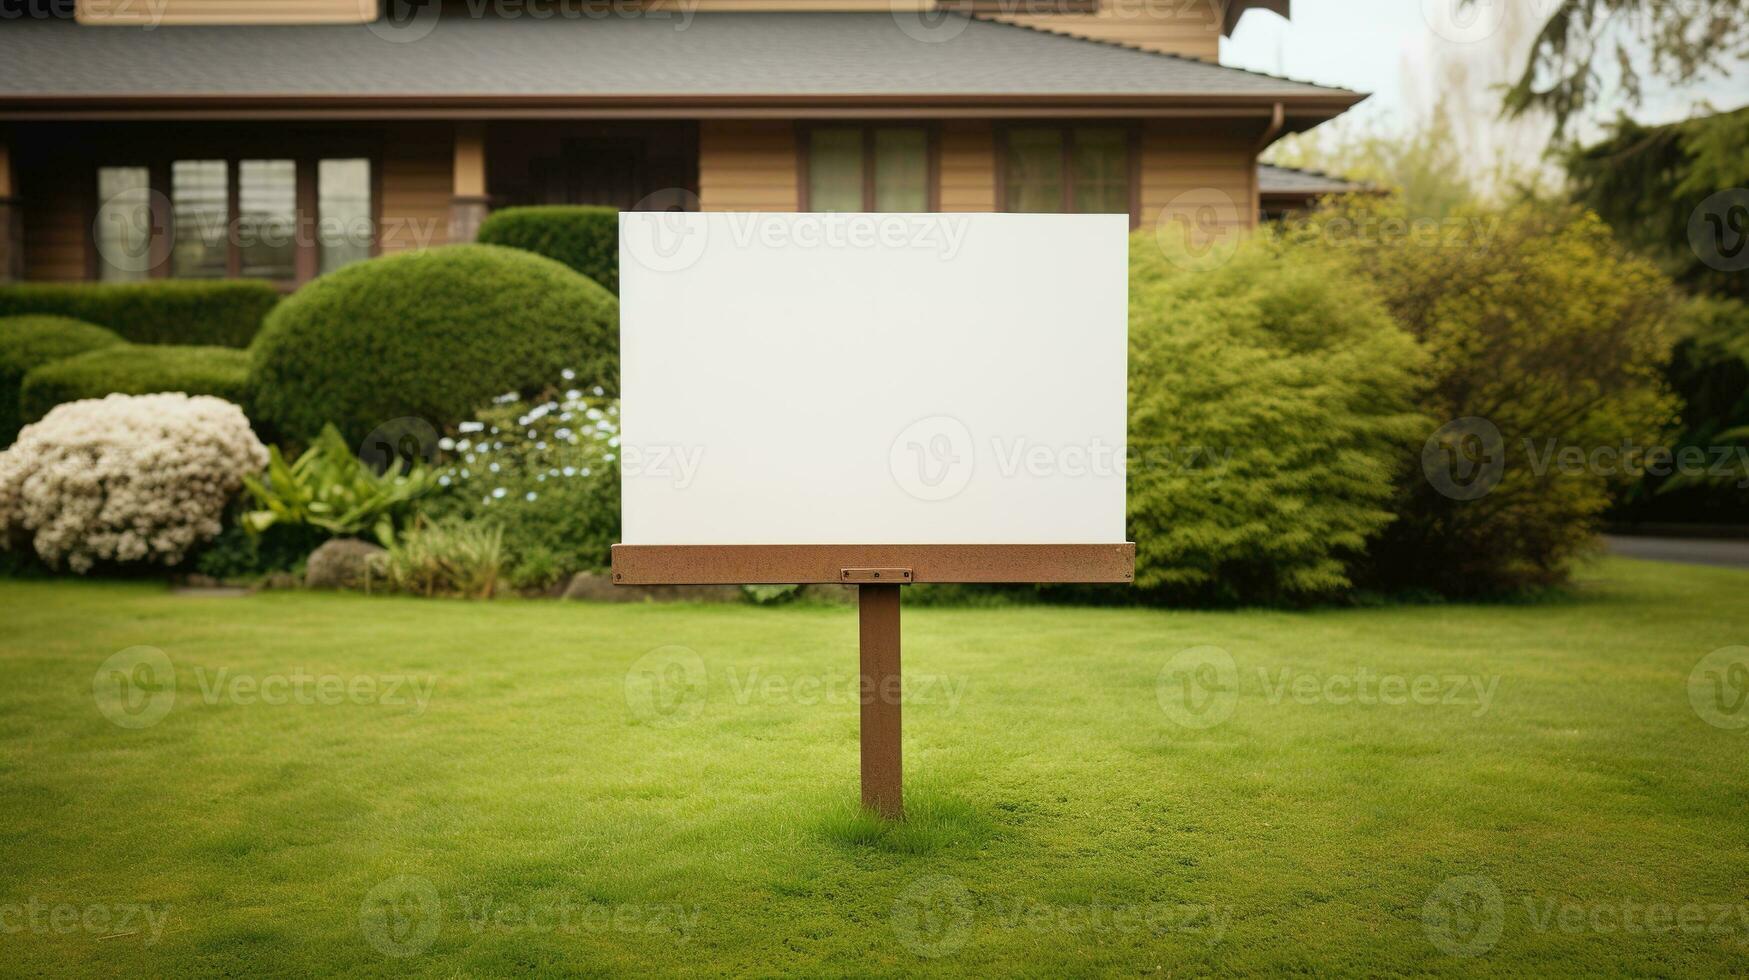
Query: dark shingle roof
(778, 54)
(1272, 179)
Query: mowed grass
(539, 812)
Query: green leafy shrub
(449, 557)
(136, 369)
(225, 313)
(585, 238)
(1709, 371)
(331, 490)
(432, 334)
(1546, 339)
(1270, 403)
(28, 342)
(544, 470)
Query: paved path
(1730, 553)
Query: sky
(1399, 50)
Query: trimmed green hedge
(227, 312)
(28, 342)
(582, 237)
(137, 369)
(434, 334)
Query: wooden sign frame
(878, 572)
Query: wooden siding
(1204, 179)
(747, 166)
(1183, 27)
(57, 202)
(968, 166)
(173, 12)
(417, 186)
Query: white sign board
(872, 378)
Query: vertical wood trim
(308, 211)
(1135, 169)
(868, 167)
(470, 160)
(932, 151)
(8, 182)
(233, 217)
(164, 207)
(999, 146)
(804, 167)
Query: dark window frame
(931, 157)
(1066, 130)
(307, 256)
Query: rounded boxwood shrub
(226, 312)
(433, 334)
(28, 342)
(137, 369)
(1270, 407)
(584, 237)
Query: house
(283, 138)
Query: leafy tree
(1549, 338)
(1681, 42)
(1650, 182)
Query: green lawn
(527, 786)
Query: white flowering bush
(127, 478)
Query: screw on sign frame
(878, 572)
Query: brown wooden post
(11, 219)
(878, 614)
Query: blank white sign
(873, 378)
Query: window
(867, 168)
(1067, 169)
(267, 217)
(343, 231)
(199, 205)
(124, 223)
(284, 220)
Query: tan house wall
(1191, 169)
(747, 165)
(1183, 27)
(174, 12)
(1198, 172)
(417, 187)
(967, 166)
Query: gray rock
(339, 564)
(593, 587)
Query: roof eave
(1310, 107)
